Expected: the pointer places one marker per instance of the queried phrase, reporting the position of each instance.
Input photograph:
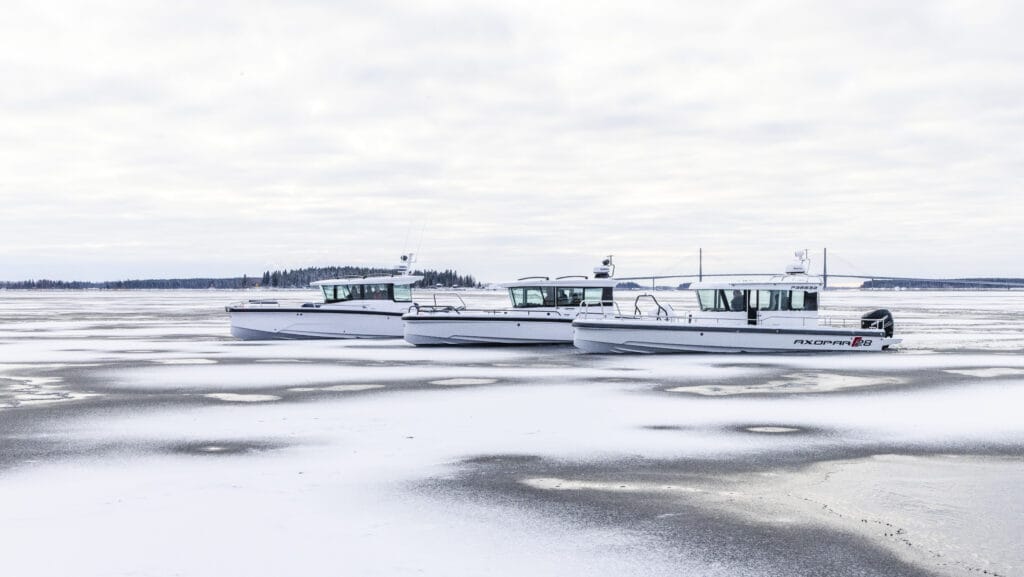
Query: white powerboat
(542, 312)
(365, 307)
(779, 314)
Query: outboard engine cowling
(876, 319)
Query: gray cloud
(187, 138)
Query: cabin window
(803, 301)
(712, 300)
(403, 293)
(569, 296)
(338, 293)
(523, 297)
(768, 300)
(376, 292)
(575, 296)
(721, 301)
(734, 300)
(597, 294)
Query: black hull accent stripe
(665, 326)
(314, 311)
(487, 319)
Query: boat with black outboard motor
(360, 307)
(542, 312)
(777, 314)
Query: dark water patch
(214, 447)
(671, 523)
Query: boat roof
(573, 281)
(393, 279)
(782, 282)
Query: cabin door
(751, 307)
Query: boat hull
(425, 330)
(314, 323)
(630, 336)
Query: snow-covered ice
(133, 450)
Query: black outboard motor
(876, 319)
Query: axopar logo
(856, 342)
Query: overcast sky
(158, 139)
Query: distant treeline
(303, 276)
(946, 284)
(297, 278)
(154, 283)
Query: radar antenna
(802, 263)
(404, 262)
(607, 268)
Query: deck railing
(664, 313)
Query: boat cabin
(777, 302)
(380, 288)
(534, 292)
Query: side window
(533, 296)
(796, 300)
(570, 296)
(721, 301)
(594, 295)
(376, 292)
(338, 293)
(769, 300)
(810, 301)
(803, 301)
(518, 296)
(706, 298)
(734, 300)
(403, 293)
(564, 296)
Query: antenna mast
(824, 268)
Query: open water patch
(212, 447)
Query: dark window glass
(338, 293)
(402, 293)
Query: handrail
(535, 277)
(661, 309)
(417, 308)
(582, 276)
